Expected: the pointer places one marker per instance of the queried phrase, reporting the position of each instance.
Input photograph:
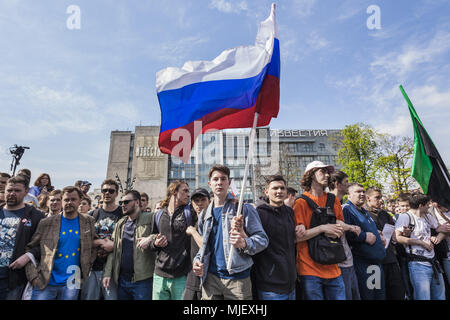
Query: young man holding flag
(221, 229)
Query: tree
(394, 161)
(358, 153)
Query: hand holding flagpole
(247, 164)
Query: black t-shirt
(127, 263)
(104, 227)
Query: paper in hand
(388, 230)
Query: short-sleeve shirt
(8, 231)
(422, 231)
(305, 265)
(104, 227)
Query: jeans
(55, 293)
(425, 282)
(139, 290)
(351, 283)
(446, 265)
(316, 288)
(93, 289)
(266, 295)
(370, 280)
(168, 288)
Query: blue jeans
(55, 293)
(351, 283)
(370, 280)
(425, 282)
(446, 265)
(139, 290)
(316, 288)
(267, 295)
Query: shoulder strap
(330, 200)
(411, 221)
(411, 225)
(309, 201)
(158, 217)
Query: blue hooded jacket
(374, 253)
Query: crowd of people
(335, 241)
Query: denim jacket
(257, 239)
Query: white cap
(318, 164)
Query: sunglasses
(125, 202)
(110, 191)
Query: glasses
(110, 191)
(125, 202)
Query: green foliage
(374, 159)
(358, 152)
(394, 162)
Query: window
(321, 146)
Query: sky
(64, 89)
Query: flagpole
(247, 164)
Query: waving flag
(222, 93)
(428, 168)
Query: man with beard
(3, 179)
(67, 251)
(131, 263)
(105, 219)
(18, 223)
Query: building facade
(135, 159)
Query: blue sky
(63, 91)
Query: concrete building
(135, 158)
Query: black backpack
(323, 249)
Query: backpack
(186, 211)
(323, 249)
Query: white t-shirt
(443, 221)
(422, 231)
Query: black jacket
(381, 217)
(24, 233)
(173, 260)
(274, 268)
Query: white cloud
(303, 8)
(229, 6)
(316, 41)
(412, 55)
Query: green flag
(428, 168)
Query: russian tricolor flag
(222, 93)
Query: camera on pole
(17, 153)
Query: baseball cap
(85, 183)
(318, 164)
(200, 192)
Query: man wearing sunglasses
(131, 263)
(105, 219)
